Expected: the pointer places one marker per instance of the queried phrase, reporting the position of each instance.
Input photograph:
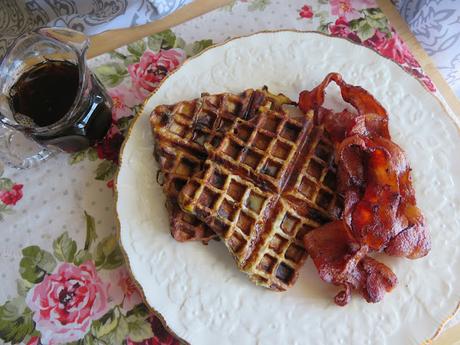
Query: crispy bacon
(380, 212)
(341, 260)
(375, 118)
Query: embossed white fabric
(436, 25)
(204, 281)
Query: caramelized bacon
(380, 212)
(375, 116)
(342, 261)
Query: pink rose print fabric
(350, 8)
(123, 289)
(152, 68)
(124, 100)
(66, 302)
(81, 294)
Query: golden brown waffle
(262, 189)
(181, 132)
(176, 166)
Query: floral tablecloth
(64, 276)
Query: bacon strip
(342, 261)
(380, 212)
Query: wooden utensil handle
(109, 40)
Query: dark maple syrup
(47, 92)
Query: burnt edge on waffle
(270, 180)
(180, 133)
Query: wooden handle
(109, 40)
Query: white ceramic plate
(198, 290)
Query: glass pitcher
(49, 99)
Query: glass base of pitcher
(19, 152)
(29, 162)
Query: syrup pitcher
(49, 99)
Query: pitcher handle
(15, 155)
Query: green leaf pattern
(35, 264)
(15, 321)
(23, 286)
(258, 5)
(365, 27)
(106, 324)
(6, 183)
(138, 328)
(91, 235)
(137, 48)
(82, 256)
(64, 248)
(162, 40)
(111, 74)
(106, 170)
(197, 47)
(108, 254)
(92, 154)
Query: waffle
(182, 130)
(269, 181)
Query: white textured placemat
(198, 289)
